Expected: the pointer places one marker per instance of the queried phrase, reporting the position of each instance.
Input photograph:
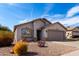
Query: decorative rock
(41, 43)
(11, 51)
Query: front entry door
(38, 35)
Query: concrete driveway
(69, 43)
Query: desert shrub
(20, 48)
(6, 38)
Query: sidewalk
(74, 53)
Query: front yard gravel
(51, 49)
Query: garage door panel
(56, 35)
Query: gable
(39, 24)
(56, 26)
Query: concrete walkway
(74, 53)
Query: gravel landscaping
(5, 51)
(51, 49)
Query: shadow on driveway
(30, 54)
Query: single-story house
(39, 29)
(72, 32)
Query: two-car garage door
(55, 35)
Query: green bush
(4, 28)
(6, 38)
(20, 48)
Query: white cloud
(73, 11)
(71, 21)
(31, 13)
(68, 21)
(46, 16)
(48, 8)
(11, 4)
(24, 21)
(56, 16)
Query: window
(25, 32)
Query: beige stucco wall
(18, 30)
(68, 34)
(56, 27)
(44, 34)
(37, 26)
(15, 36)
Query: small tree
(6, 36)
(4, 28)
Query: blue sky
(16, 13)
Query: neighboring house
(75, 33)
(72, 32)
(40, 29)
(69, 32)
